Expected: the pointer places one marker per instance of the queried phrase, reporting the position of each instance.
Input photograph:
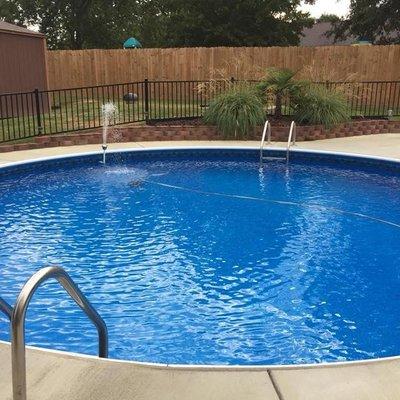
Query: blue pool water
(200, 258)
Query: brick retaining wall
(200, 132)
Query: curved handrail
(291, 139)
(266, 130)
(18, 356)
(6, 308)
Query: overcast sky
(338, 7)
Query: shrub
(278, 85)
(318, 105)
(236, 111)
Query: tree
(374, 20)
(234, 22)
(77, 24)
(332, 18)
(281, 84)
(9, 12)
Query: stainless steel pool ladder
(291, 139)
(267, 135)
(17, 318)
(6, 308)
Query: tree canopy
(374, 20)
(234, 23)
(332, 18)
(77, 24)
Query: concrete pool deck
(385, 145)
(65, 376)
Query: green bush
(236, 111)
(278, 85)
(318, 105)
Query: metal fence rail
(370, 99)
(29, 114)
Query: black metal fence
(24, 115)
(370, 99)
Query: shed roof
(18, 30)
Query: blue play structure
(132, 43)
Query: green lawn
(86, 114)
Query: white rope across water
(282, 202)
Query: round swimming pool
(197, 256)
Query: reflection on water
(209, 261)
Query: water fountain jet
(109, 113)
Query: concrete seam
(275, 385)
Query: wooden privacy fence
(77, 68)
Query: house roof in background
(317, 36)
(18, 30)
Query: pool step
(266, 158)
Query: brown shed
(22, 59)
(22, 69)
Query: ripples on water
(184, 273)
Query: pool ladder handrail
(291, 139)
(267, 132)
(18, 314)
(6, 308)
